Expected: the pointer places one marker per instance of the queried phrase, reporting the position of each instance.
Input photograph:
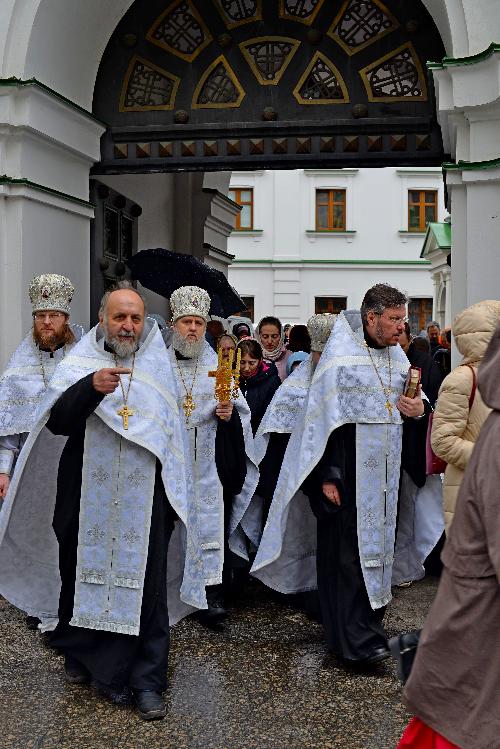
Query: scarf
(275, 354)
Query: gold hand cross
(125, 412)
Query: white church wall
(155, 194)
(39, 233)
(47, 147)
(59, 42)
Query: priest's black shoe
(216, 613)
(75, 672)
(32, 623)
(378, 654)
(150, 704)
(365, 664)
(403, 650)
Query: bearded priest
(24, 383)
(345, 455)
(122, 482)
(218, 440)
(26, 377)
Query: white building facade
(290, 266)
(50, 53)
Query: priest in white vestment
(218, 441)
(24, 383)
(345, 456)
(122, 484)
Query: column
(48, 145)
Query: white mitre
(51, 292)
(190, 301)
(320, 327)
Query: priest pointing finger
(122, 483)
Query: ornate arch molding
(231, 84)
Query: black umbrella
(164, 271)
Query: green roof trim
(308, 261)
(450, 62)
(5, 180)
(9, 82)
(441, 231)
(469, 166)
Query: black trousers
(120, 660)
(352, 628)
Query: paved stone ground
(266, 682)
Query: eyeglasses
(41, 316)
(394, 320)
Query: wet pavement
(265, 682)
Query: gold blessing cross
(227, 378)
(125, 412)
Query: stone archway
(217, 84)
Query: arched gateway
(231, 84)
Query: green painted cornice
(9, 82)
(308, 261)
(22, 182)
(451, 62)
(470, 166)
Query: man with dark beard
(218, 441)
(345, 455)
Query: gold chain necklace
(40, 357)
(125, 411)
(386, 388)
(188, 405)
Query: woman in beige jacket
(455, 429)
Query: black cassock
(352, 628)
(118, 660)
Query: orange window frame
(331, 203)
(236, 196)
(422, 205)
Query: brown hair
(251, 347)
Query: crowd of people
(132, 497)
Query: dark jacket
(259, 390)
(431, 374)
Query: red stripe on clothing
(418, 735)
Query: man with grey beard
(122, 483)
(218, 438)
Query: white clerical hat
(51, 291)
(320, 327)
(190, 301)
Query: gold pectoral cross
(388, 405)
(125, 412)
(188, 406)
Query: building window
(249, 302)
(332, 304)
(243, 197)
(419, 314)
(422, 209)
(330, 210)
